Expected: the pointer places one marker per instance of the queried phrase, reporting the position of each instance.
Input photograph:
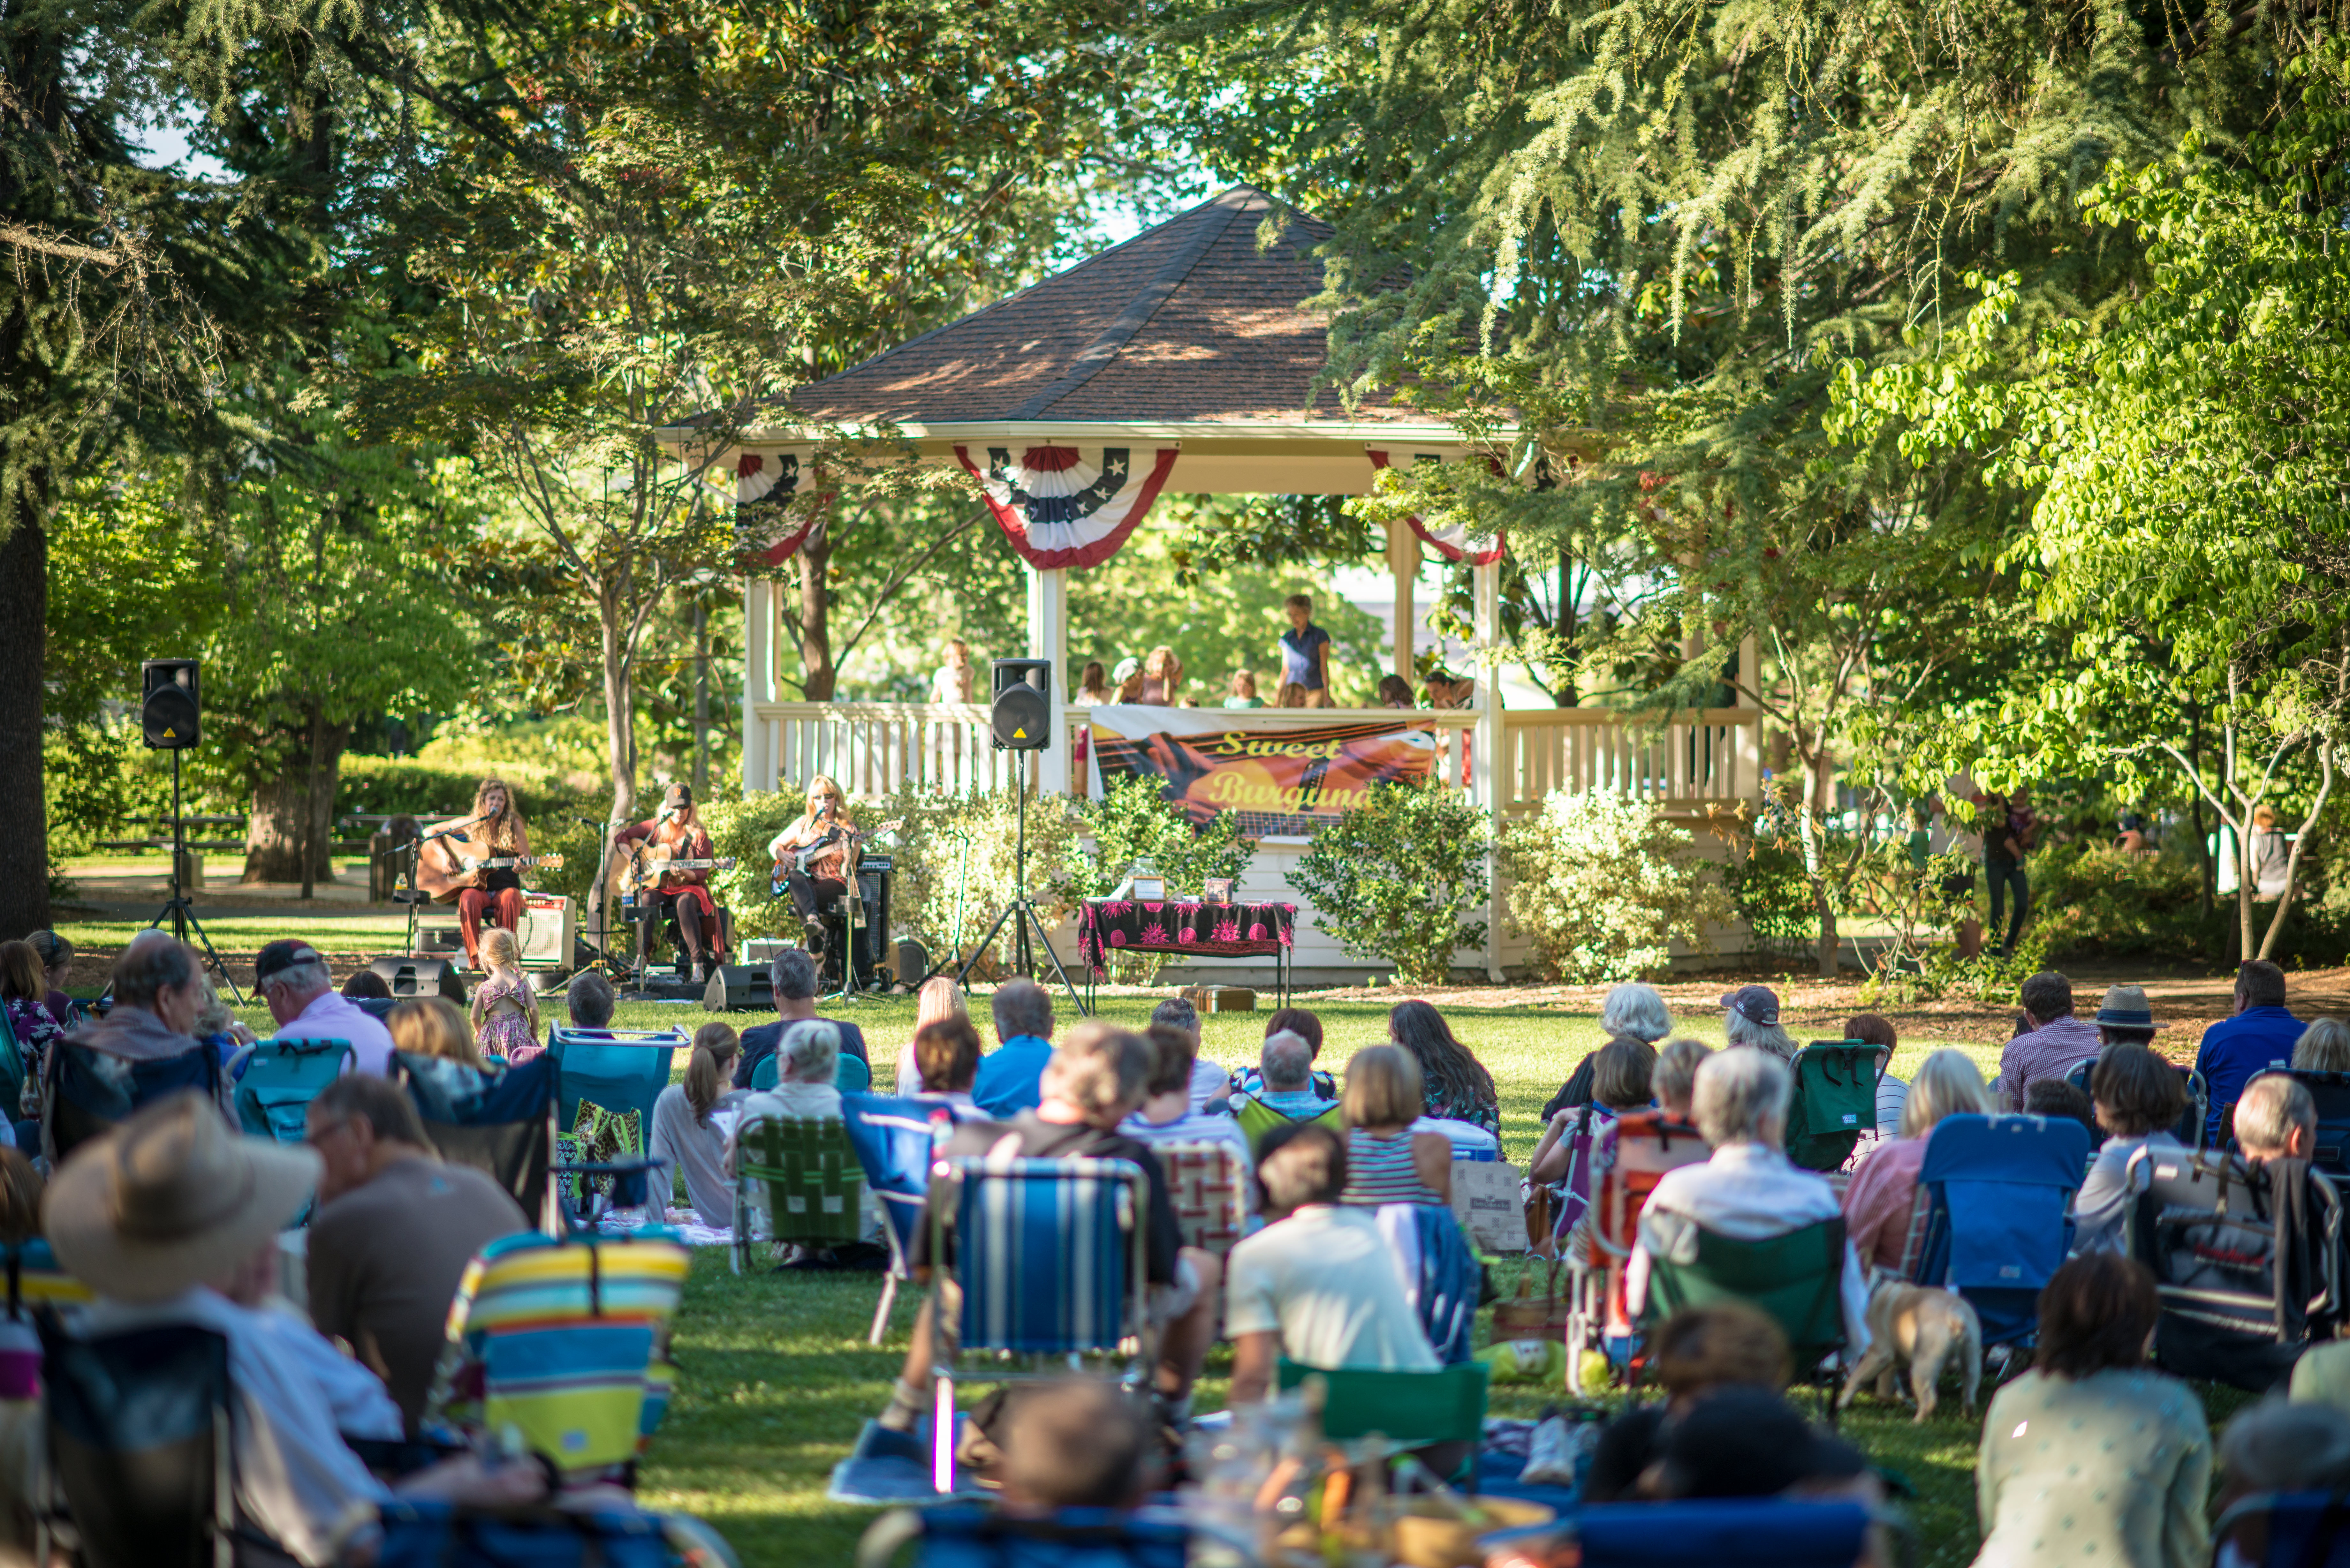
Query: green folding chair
(801, 1177)
(12, 1067)
(1834, 1102)
(1257, 1118)
(1410, 1409)
(1797, 1279)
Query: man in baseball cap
(292, 979)
(1756, 1004)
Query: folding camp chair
(500, 1122)
(2331, 1092)
(1049, 1258)
(852, 1075)
(281, 1078)
(1752, 1532)
(894, 1140)
(622, 1070)
(1443, 1277)
(961, 1536)
(2002, 1221)
(2242, 1277)
(1257, 1118)
(2285, 1530)
(87, 1092)
(1410, 1409)
(2193, 1122)
(566, 1341)
(796, 1179)
(1796, 1278)
(140, 1446)
(1204, 1180)
(440, 1535)
(12, 1065)
(1648, 1144)
(1834, 1102)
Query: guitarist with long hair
(676, 834)
(496, 830)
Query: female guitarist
(676, 834)
(813, 854)
(494, 830)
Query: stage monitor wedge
(410, 977)
(739, 988)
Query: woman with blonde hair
(1386, 1162)
(1883, 1190)
(684, 1132)
(1162, 677)
(812, 855)
(2324, 1047)
(939, 997)
(494, 830)
(953, 683)
(434, 1028)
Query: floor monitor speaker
(420, 977)
(739, 988)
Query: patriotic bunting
(787, 473)
(1453, 543)
(1068, 505)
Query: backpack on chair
(1835, 1101)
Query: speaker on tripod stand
(1020, 719)
(170, 719)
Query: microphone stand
(415, 850)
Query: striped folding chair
(1047, 1259)
(796, 1179)
(894, 1140)
(565, 1341)
(1204, 1180)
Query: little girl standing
(506, 1008)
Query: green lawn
(777, 1377)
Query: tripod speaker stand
(169, 720)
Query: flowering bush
(1603, 884)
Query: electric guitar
(448, 878)
(830, 846)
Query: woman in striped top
(1386, 1162)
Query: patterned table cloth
(1106, 925)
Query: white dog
(1922, 1326)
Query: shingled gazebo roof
(1189, 323)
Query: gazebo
(1180, 361)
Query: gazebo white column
(1485, 760)
(1048, 638)
(1403, 564)
(758, 680)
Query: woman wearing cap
(678, 835)
(1750, 1017)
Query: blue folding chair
(1757, 1532)
(2288, 1530)
(1449, 1279)
(622, 1070)
(2192, 1121)
(87, 1092)
(1051, 1259)
(894, 1140)
(2331, 1092)
(281, 1078)
(1999, 1222)
(957, 1535)
(501, 1122)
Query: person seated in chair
(158, 990)
(1284, 1079)
(590, 1001)
(2261, 1034)
(1094, 1081)
(1076, 1442)
(2276, 1119)
(1010, 1076)
(1303, 1023)
(1319, 1284)
(1748, 1190)
(792, 977)
(1169, 1117)
(163, 1218)
(805, 1067)
(2139, 1097)
(1209, 1082)
(394, 1230)
(293, 981)
(946, 1055)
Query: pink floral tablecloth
(1106, 925)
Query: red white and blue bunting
(1068, 505)
(787, 473)
(1453, 543)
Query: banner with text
(1289, 781)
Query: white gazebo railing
(1706, 754)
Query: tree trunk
(2206, 867)
(273, 843)
(619, 747)
(24, 800)
(1820, 795)
(816, 632)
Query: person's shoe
(701, 971)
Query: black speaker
(170, 711)
(420, 977)
(739, 988)
(1021, 717)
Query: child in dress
(506, 1008)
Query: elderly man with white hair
(1749, 1191)
(2276, 1119)
(293, 982)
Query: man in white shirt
(292, 979)
(1748, 1191)
(1321, 1285)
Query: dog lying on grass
(1924, 1328)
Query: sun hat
(1757, 1004)
(1127, 667)
(278, 957)
(2126, 1007)
(170, 1198)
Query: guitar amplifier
(550, 926)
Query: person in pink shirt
(1877, 1203)
(2054, 1045)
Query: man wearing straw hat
(159, 1217)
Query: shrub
(931, 863)
(2090, 899)
(1767, 888)
(1603, 885)
(1392, 879)
(1136, 821)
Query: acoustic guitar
(444, 879)
(649, 863)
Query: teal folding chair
(281, 1078)
(12, 1067)
(796, 1179)
(622, 1070)
(852, 1077)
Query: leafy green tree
(1605, 884)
